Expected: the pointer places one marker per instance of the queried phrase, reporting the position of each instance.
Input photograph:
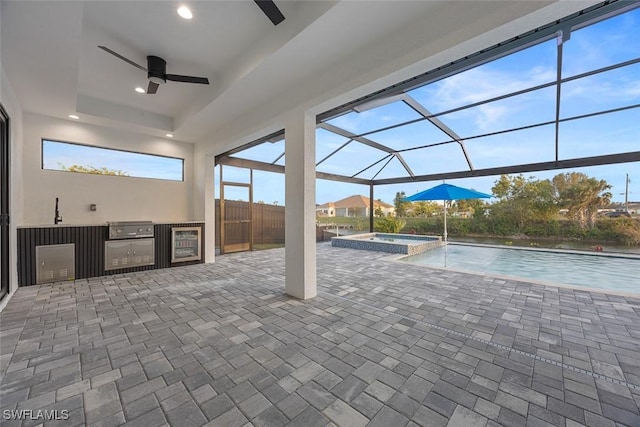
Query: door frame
(243, 246)
(4, 202)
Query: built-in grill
(130, 244)
(130, 229)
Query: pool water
(603, 272)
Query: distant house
(353, 206)
(634, 208)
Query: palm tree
(582, 196)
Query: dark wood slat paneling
(89, 255)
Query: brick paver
(384, 343)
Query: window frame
(42, 167)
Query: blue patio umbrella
(446, 192)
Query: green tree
(389, 224)
(582, 196)
(521, 200)
(425, 209)
(378, 208)
(93, 170)
(477, 207)
(402, 207)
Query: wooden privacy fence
(268, 222)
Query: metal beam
(532, 126)
(388, 156)
(377, 103)
(609, 159)
(250, 164)
(371, 208)
(334, 151)
(274, 137)
(383, 166)
(404, 164)
(278, 158)
(420, 109)
(350, 135)
(562, 36)
(342, 178)
(366, 141)
(268, 167)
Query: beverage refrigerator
(185, 244)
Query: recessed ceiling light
(185, 12)
(73, 116)
(140, 90)
(169, 135)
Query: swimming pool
(589, 270)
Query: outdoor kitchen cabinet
(129, 253)
(185, 244)
(94, 258)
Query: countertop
(104, 224)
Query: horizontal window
(69, 157)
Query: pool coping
(397, 258)
(406, 244)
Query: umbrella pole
(445, 234)
(445, 222)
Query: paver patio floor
(383, 344)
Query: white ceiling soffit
(39, 46)
(50, 54)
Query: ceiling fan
(271, 10)
(157, 71)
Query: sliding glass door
(4, 203)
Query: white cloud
(480, 84)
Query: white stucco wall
(117, 198)
(14, 110)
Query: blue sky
(600, 45)
(55, 154)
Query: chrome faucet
(58, 218)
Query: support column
(300, 206)
(204, 200)
(210, 209)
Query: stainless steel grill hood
(130, 229)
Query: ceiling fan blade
(271, 10)
(152, 88)
(187, 79)
(117, 55)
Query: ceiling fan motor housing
(157, 69)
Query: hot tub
(407, 244)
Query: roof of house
(618, 205)
(355, 201)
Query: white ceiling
(49, 53)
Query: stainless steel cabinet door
(142, 252)
(117, 254)
(128, 253)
